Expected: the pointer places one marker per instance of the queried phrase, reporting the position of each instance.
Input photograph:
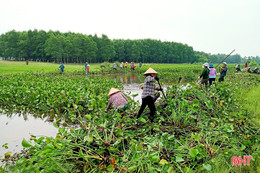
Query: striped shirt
(149, 87)
(117, 99)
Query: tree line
(216, 58)
(54, 46)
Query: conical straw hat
(150, 71)
(112, 91)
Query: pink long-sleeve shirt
(117, 99)
(212, 73)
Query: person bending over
(117, 99)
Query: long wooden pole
(161, 88)
(225, 58)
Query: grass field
(7, 67)
(253, 102)
(20, 66)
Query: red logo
(238, 160)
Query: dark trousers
(204, 82)
(221, 78)
(211, 80)
(150, 102)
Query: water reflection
(47, 118)
(15, 127)
(133, 89)
(131, 84)
(123, 78)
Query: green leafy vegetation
(54, 93)
(197, 131)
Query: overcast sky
(212, 26)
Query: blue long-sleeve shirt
(224, 71)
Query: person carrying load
(117, 99)
(148, 93)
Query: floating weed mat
(67, 96)
(198, 131)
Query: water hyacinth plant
(196, 131)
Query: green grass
(253, 103)
(7, 67)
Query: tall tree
(54, 47)
(119, 50)
(11, 47)
(22, 45)
(106, 50)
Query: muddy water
(131, 83)
(133, 89)
(15, 127)
(132, 86)
(123, 78)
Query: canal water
(131, 84)
(15, 127)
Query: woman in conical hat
(148, 93)
(117, 99)
(150, 71)
(113, 91)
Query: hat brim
(150, 71)
(113, 91)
